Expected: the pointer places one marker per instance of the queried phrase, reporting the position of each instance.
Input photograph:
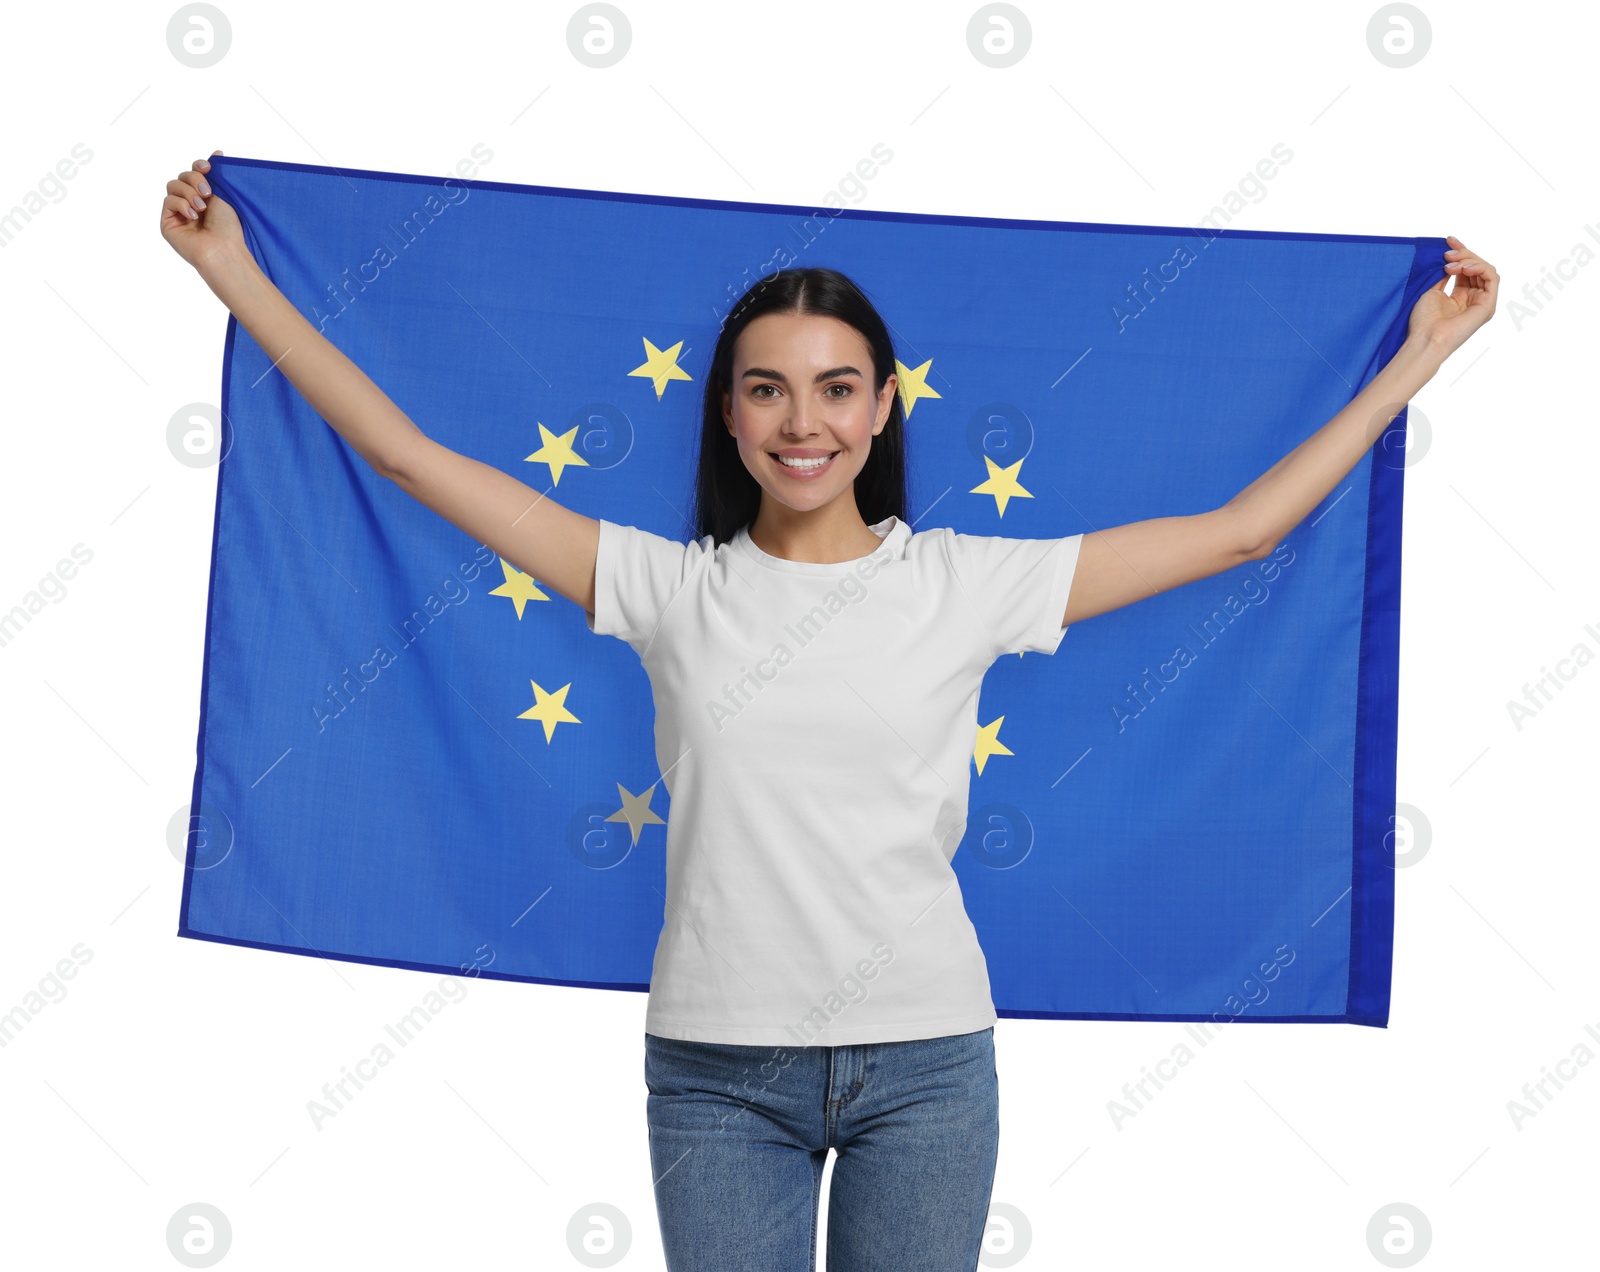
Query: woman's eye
(757, 390)
(845, 387)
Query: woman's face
(802, 388)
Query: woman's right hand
(200, 225)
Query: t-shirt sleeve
(1018, 587)
(636, 575)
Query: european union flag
(410, 754)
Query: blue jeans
(739, 1135)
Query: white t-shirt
(815, 726)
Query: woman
(817, 983)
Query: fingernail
(192, 214)
(198, 203)
(205, 188)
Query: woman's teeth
(806, 464)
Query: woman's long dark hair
(726, 496)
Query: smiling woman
(820, 829)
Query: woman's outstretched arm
(1127, 563)
(537, 535)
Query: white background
(179, 1071)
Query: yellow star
(557, 452)
(989, 743)
(661, 365)
(1001, 483)
(550, 709)
(913, 384)
(519, 587)
(636, 810)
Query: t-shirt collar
(893, 531)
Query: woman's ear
(891, 386)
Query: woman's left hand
(1447, 320)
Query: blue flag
(1185, 814)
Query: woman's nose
(801, 422)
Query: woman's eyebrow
(766, 373)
